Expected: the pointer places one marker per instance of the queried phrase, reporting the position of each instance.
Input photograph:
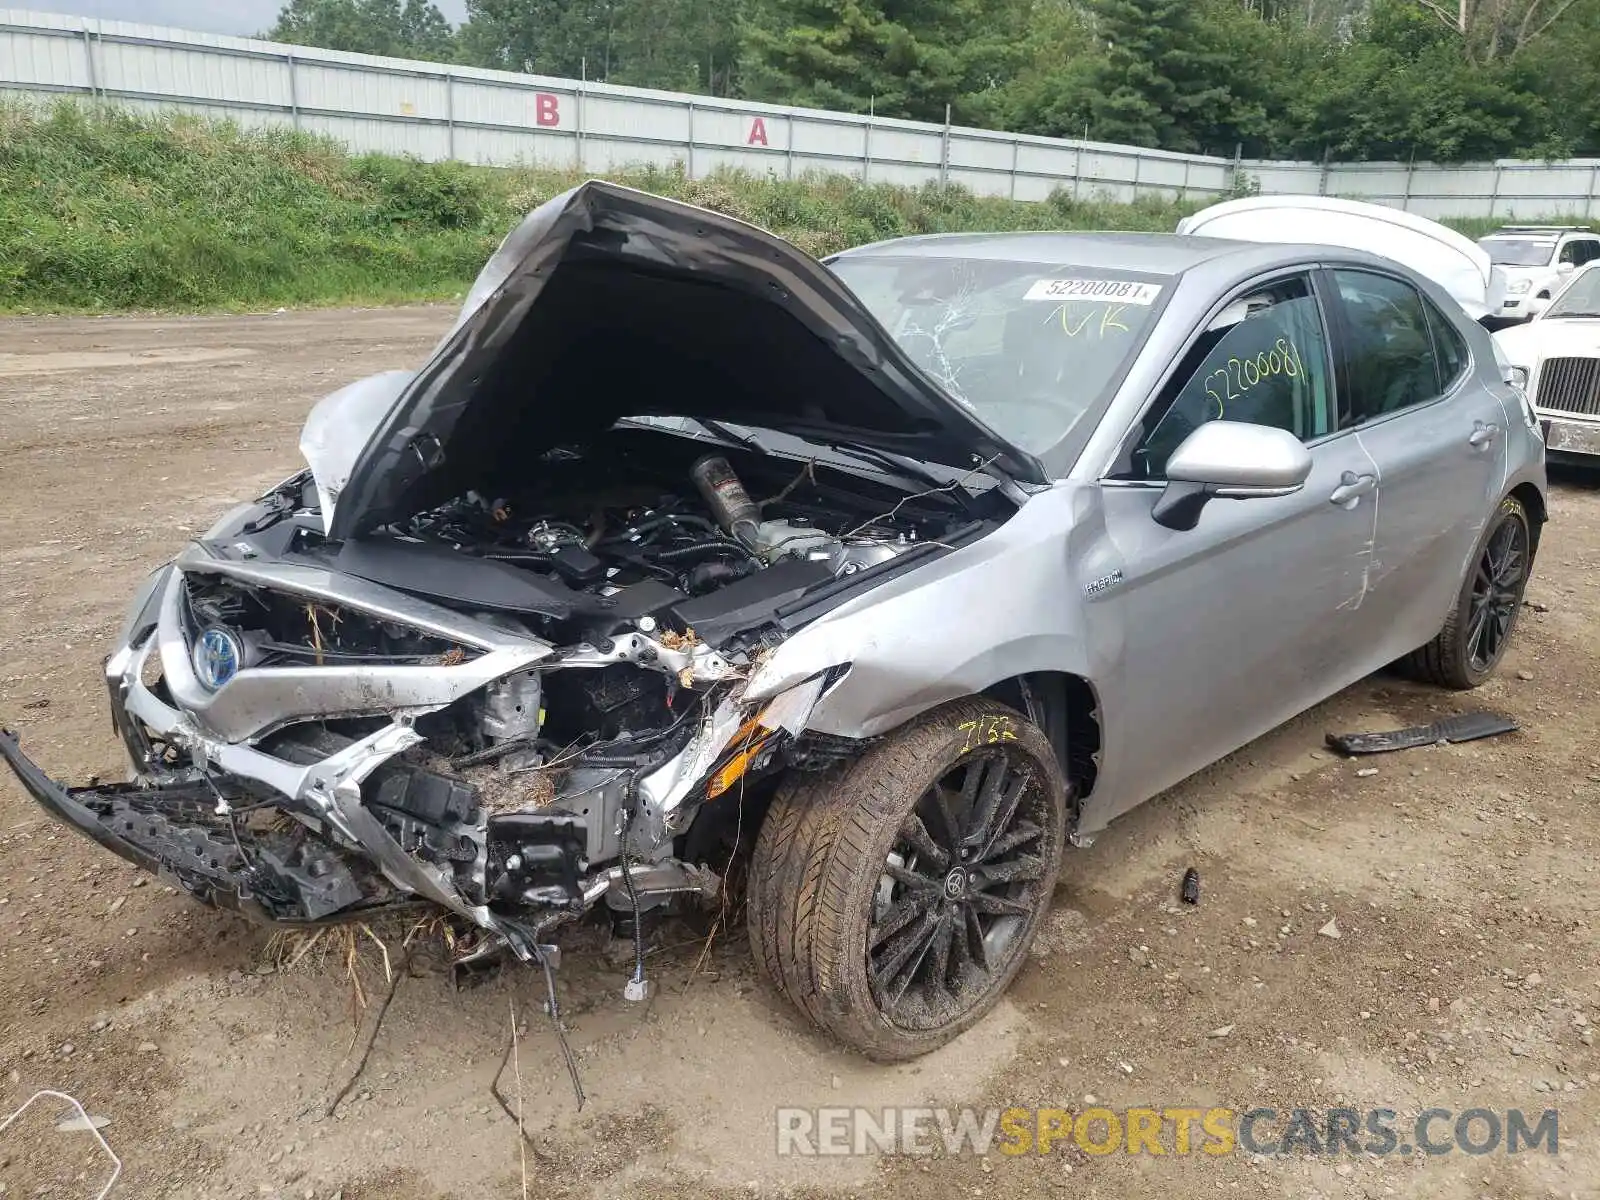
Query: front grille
(1570, 385)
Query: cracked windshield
(1028, 347)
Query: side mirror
(1232, 460)
(1567, 268)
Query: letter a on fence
(758, 132)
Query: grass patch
(113, 210)
(104, 210)
(107, 210)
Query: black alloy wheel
(1497, 586)
(957, 889)
(893, 898)
(1470, 646)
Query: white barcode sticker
(1120, 291)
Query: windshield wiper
(729, 434)
(909, 468)
(898, 464)
(279, 503)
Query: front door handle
(1352, 487)
(1483, 434)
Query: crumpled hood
(608, 302)
(340, 425)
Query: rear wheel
(892, 900)
(1467, 650)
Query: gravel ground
(1459, 879)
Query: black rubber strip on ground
(1465, 728)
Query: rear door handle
(1483, 434)
(1352, 487)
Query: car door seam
(1371, 548)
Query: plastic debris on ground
(1465, 728)
(1191, 887)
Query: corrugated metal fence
(436, 111)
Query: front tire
(893, 899)
(1467, 650)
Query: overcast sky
(241, 17)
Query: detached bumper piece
(176, 833)
(1465, 728)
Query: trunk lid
(1452, 260)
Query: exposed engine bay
(695, 536)
(606, 539)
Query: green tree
(1573, 92)
(1445, 80)
(1163, 82)
(1404, 89)
(1267, 61)
(1052, 83)
(425, 32)
(1491, 30)
(903, 58)
(686, 44)
(400, 28)
(547, 37)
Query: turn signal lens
(732, 771)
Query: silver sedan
(914, 567)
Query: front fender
(856, 707)
(1003, 606)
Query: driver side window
(1263, 360)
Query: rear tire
(889, 926)
(1465, 653)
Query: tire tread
(1445, 661)
(815, 854)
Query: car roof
(1196, 270)
(1145, 253)
(1195, 265)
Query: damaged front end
(490, 652)
(310, 747)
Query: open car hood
(608, 302)
(1452, 260)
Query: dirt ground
(1461, 879)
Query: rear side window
(1580, 250)
(1449, 345)
(1391, 362)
